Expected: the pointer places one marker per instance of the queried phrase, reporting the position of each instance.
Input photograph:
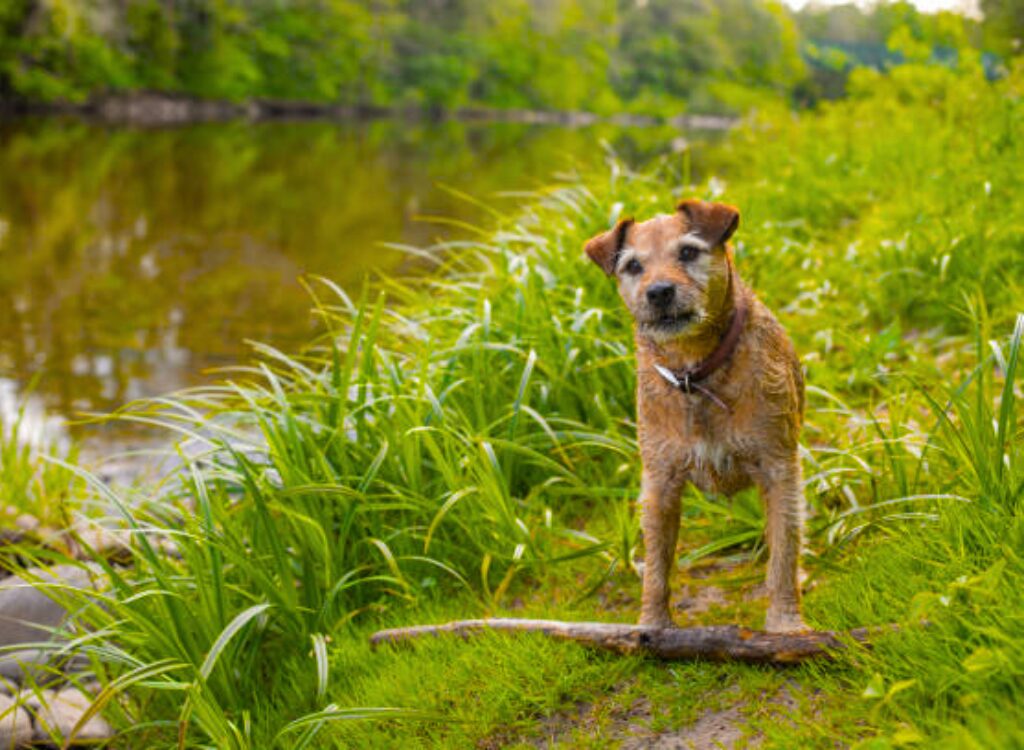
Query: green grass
(31, 485)
(463, 444)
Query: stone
(110, 544)
(28, 616)
(15, 723)
(116, 545)
(27, 522)
(57, 713)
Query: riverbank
(427, 461)
(158, 109)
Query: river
(134, 261)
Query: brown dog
(720, 392)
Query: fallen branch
(709, 642)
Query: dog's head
(673, 270)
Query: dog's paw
(784, 622)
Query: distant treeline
(648, 56)
(839, 38)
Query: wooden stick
(709, 642)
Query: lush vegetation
(1004, 25)
(841, 38)
(32, 488)
(572, 54)
(604, 56)
(463, 444)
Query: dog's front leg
(782, 490)
(659, 503)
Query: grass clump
(463, 444)
(402, 458)
(35, 493)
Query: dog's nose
(661, 293)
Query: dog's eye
(688, 253)
(633, 267)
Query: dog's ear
(714, 222)
(604, 249)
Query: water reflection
(132, 260)
(25, 418)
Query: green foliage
(593, 55)
(841, 38)
(30, 483)
(706, 53)
(654, 57)
(1003, 25)
(954, 683)
(374, 469)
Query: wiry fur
(689, 438)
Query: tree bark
(709, 642)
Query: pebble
(15, 724)
(111, 545)
(38, 715)
(27, 615)
(57, 713)
(27, 522)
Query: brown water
(134, 260)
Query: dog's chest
(708, 455)
(695, 435)
(711, 452)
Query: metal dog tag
(668, 375)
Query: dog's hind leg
(782, 490)
(659, 503)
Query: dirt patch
(696, 600)
(628, 727)
(595, 719)
(722, 729)
(714, 729)
(712, 567)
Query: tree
(1003, 25)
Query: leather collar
(689, 379)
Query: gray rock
(57, 712)
(28, 616)
(15, 724)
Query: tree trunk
(709, 642)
